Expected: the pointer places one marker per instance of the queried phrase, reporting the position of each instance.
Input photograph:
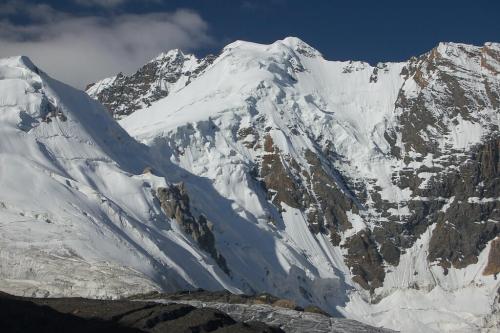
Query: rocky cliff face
(445, 142)
(124, 94)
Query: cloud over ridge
(82, 49)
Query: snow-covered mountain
(78, 204)
(372, 192)
(86, 210)
(385, 178)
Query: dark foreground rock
(289, 320)
(75, 315)
(226, 297)
(266, 309)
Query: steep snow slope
(385, 178)
(77, 215)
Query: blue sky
(108, 36)
(363, 30)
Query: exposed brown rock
(364, 260)
(390, 253)
(333, 203)
(464, 229)
(493, 266)
(493, 54)
(420, 79)
(280, 183)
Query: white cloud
(81, 50)
(40, 12)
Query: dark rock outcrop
(469, 222)
(365, 260)
(282, 185)
(315, 191)
(88, 315)
(332, 201)
(150, 83)
(175, 203)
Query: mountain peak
(170, 54)
(169, 71)
(295, 43)
(19, 61)
(292, 40)
(300, 46)
(292, 43)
